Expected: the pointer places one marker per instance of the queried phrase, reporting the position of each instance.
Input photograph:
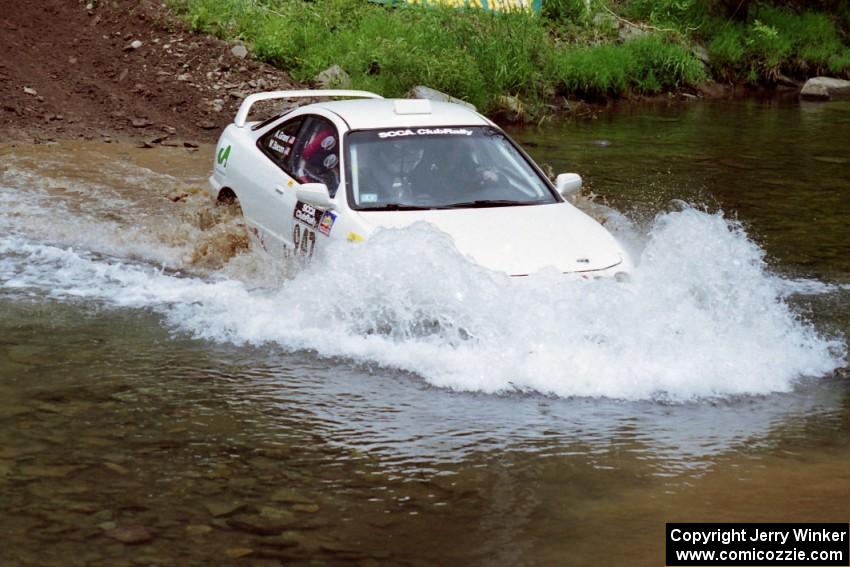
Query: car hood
(518, 240)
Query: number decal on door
(304, 241)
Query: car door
(271, 217)
(313, 158)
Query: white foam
(701, 318)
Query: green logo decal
(223, 154)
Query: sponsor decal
(330, 161)
(290, 183)
(354, 237)
(276, 147)
(425, 132)
(328, 143)
(308, 214)
(369, 198)
(327, 222)
(223, 155)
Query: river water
(161, 384)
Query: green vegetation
(574, 48)
(779, 41)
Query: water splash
(702, 318)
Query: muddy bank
(117, 70)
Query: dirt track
(68, 71)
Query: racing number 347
(304, 240)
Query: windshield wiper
(489, 203)
(397, 207)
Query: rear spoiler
(250, 100)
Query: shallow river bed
(168, 397)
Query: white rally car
(345, 168)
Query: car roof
(362, 114)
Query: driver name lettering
(425, 132)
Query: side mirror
(315, 194)
(568, 183)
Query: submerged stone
(219, 509)
(290, 496)
(198, 530)
(130, 534)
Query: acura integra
(343, 169)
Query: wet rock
(196, 530)
(81, 508)
(219, 509)
(309, 508)
(270, 521)
(290, 496)
(239, 51)
(123, 75)
(57, 471)
(190, 144)
(237, 552)
(135, 44)
(177, 196)
(206, 124)
(169, 130)
(289, 538)
(786, 81)
(510, 107)
(183, 77)
(130, 534)
(334, 77)
(421, 91)
(825, 88)
(115, 467)
(341, 550)
(713, 90)
(31, 92)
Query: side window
(315, 155)
(278, 143)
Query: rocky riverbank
(118, 70)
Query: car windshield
(439, 168)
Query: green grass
(779, 40)
(567, 50)
(470, 54)
(645, 65)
